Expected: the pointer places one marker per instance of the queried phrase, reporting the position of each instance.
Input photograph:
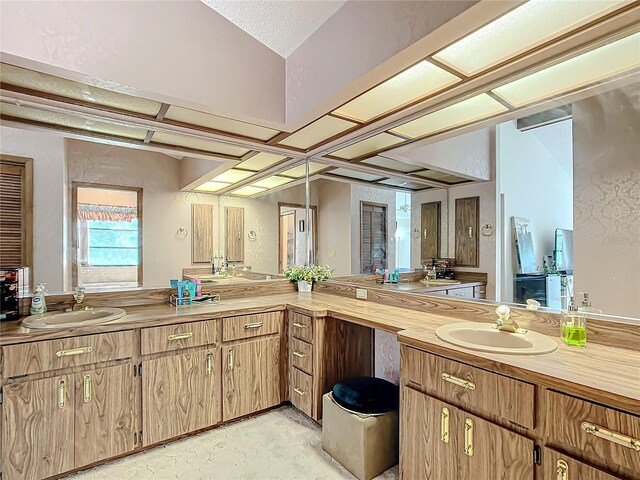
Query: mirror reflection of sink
(486, 338)
(80, 318)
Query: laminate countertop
(604, 374)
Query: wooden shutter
(12, 226)
(373, 237)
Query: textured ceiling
(280, 25)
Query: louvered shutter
(11, 215)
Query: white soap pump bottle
(38, 301)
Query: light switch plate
(332, 254)
(361, 293)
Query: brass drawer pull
(230, 360)
(458, 381)
(444, 425)
(249, 326)
(209, 365)
(614, 437)
(180, 336)
(86, 388)
(562, 470)
(299, 392)
(299, 325)
(299, 354)
(62, 385)
(468, 437)
(74, 351)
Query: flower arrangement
(307, 273)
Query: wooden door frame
(386, 222)
(74, 224)
(27, 209)
(314, 220)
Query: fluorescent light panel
(42, 82)
(461, 113)
(260, 161)
(215, 122)
(211, 186)
(531, 24)
(272, 182)
(316, 132)
(248, 191)
(343, 172)
(232, 176)
(416, 82)
(590, 67)
(299, 171)
(440, 176)
(403, 183)
(368, 145)
(391, 164)
(199, 144)
(71, 121)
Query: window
(108, 236)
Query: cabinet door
(202, 228)
(428, 443)
(429, 231)
(489, 452)
(557, 466)
(105, 414)
(38, 428)
(235, 234)
(180, 394)
(251, 377)
(467, 226)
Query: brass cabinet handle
(458, 381)
(468, 437)
(299, 325)
(62, 386)
(180, 336)
(248, 326)
(470, 232)
(615, 437)
(74, 351)
(299, 354)
(209, 364)
(230, 360)
(444, 425)
(86, 388)
(299, 392)
(562, 470)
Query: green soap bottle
(573, 327)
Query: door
(489, 452)
(557, 466)
(38, 428)
(202, 228)
(105, 413)
(250, 377)
(179, 394)
(429, 231)
(467, 226)
(428, 444)
(373, 237)
(235, 234)
(287, 240)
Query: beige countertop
(601, 373)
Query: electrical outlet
(361, 293)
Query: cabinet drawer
(469, 387)
(176, 337)
(301, 355)
(301, 326)
(301, 394)
(466, 292)
(614, 443)
(248, 326)
(49, 355)
(556, 464)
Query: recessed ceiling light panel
(199, 144)
(232, 176)
(368, 145)
(272, 182)
(261, 160)
(299, 171)
(248, 191)
(391, 164)
(211, 187)
(316, 132)
(343, 172)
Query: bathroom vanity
(77, 397)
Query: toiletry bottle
(38, 301)
(573, 326)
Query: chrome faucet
(78, 296)
(504, 323)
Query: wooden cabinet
(105, 413)
(235, 234)
(248, 326)
(202, 233)
(37, 434)
(556, 466)
(429, 231)
(440, 442)
(467, 249)
(177, 337)
(250, 377)
(180, 394)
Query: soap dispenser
(38, 302)
(573, 326)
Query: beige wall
(334, 225)
(606, 200)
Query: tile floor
(282, 444)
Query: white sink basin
(486, 338)
(79, 318)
